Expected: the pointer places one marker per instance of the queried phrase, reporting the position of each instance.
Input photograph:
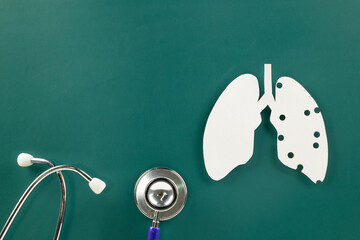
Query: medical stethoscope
(160, 194)
(25, 160)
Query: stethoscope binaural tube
(96, 185)
(26, 160)
(62, 201)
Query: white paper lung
(229, 132)
(301, 134)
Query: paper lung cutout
(229, 132)
(301, 135)
(229, 136)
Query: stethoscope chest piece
(160, 193)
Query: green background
(118, 87)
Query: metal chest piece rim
(162, 191)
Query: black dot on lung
(290, 155)
(317, 110)
(281, 137)
(307, 112)
(282, 117)
(316, 145)
(316, 134)
(299, 167)
(279, 85)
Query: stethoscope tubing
(154, 230)
(154, 233)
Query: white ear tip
(97, 185)
(24, 159)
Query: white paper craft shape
(229, 133)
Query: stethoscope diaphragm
(161, 192)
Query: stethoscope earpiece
(160, 194)
(24, 160)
